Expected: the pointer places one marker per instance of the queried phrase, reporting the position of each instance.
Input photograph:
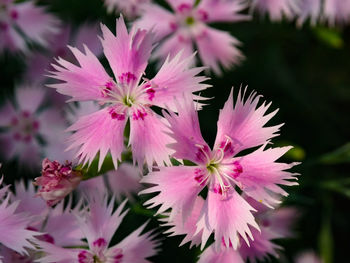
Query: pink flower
(309, 9)
(39, 63)
(125, 98)
(23, 125)
(129, 8)
(188, 26)
(56, 181)
(308, 257)
(31, 20)
(57, 225)
(13, 226)
(220, 170)
(228, 255)
(276, 9)
(274, 224)
(336, 11)
(99, 224)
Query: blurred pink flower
(336, 11)
(130, 8)
(309, 9)
(274, 224)
(187, 27)
(124, 98)
(308, 257)
(99, 223)
(25, 18)
(56, 181)
(14, 232)
(57, 225)
(276, 9)
(257, 174)
(23, 124)
(39, 63)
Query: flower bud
(56, 181)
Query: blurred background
(305, 73)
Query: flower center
(24, 127)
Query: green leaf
(341, 155)
(329, 36)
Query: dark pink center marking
(116, 116)
(139, 114)
(127, 77)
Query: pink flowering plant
(145, 159)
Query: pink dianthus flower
(220, 170)
(124, 98)
(188, 27)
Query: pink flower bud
(56, 181)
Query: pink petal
(13, 228)
(180, 41)
(244, 123)
(98, 132)
(29, 98)
(261, 174)
(127, 53)
(309, 9)
(276, 9)
(176, 3)
(223, 10)
(101, 221)
(228, 217)
(336, 11)
(7, 113)
(185, 129)
(125, 181)
(81, 83)
(137, 247)
(187, 228)
(151, 15)
(148, 140)
(229, 255)
(174, 79)
(178, 189)
(86, 35)
(35, 22)
(12, 40)
(55, 254)
(217, 48)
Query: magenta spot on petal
(17, 136)
(227, 148)
(217, 189)
(202, 15)
(237, 170)
(4, 26)
(202, 153)
(265, 223)
(14, 14)
(101, 242)
(150, 93)
(138, 114)
(173, 26)
(127, 77)
(183, 39)
(47, 238)
(200, 176)
(25, 114)
(35, 125)
(85, 257)
(116, 116)
(14, 121)
(184, 8)
(27, 138)
(202, 35)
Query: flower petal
(228, 255)
(261, 174)
(127, 53)
(217, 47)
(244, 123)
(84, 82)
(137, 247)
(228, 217)
(174, 79)
(29, 98)
(178, 189)
(184, 128)
(98, 132)
(147, 138)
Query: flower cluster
(133, 127)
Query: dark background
(305, 73)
